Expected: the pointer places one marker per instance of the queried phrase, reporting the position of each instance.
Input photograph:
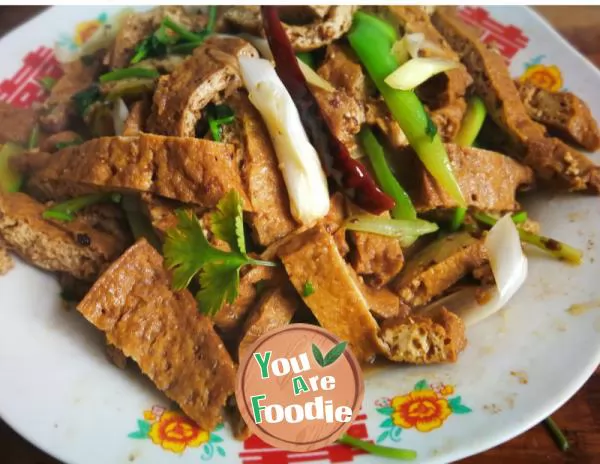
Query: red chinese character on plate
(507, 39)
(23, 89)
(257, 451)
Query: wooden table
(579, 418)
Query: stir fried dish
(199, 177)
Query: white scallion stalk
(509, 266)
(416, 71)
(309, 74)
(410, 45)
(298, 160)
(120, 113)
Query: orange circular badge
(299, 387)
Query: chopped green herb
(378, 450)
(458, 218)
(308, 289)
(66, 211)
(188, 253)
(47, 83)
(520, 217)
(431, 129)
(182, 31)
(150, 47)
(84, 99)
(164, 37)
(218, 116)
(212, 20)
(185, 48)
(557, 434)
(127, 73)
(68, 143)
(34, 138)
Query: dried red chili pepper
(348, 173)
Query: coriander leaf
(227, 221)
(84, 99)
(431, 129)
(218, 116)
(308, 289)
(219, 284)
(128, 73)
(334, 353)
(151, 47)
(187, 251)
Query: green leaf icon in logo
(330, 357)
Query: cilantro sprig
(189, 254)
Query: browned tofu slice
(488, 180)
(16, 124)
(563, 113)
(271, 218)
(424, 339)
(74, 247)
(230, 316)
(209, 74)
(343, 70)
(163, 332)
(383, 303)
(553, 161)
(303, 37)
(337, 301)
(136, 120)
(375, 257)
(189, 170)
(274, 310)
(138, 26)
(438, 266)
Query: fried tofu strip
(424, 339)
(190, 170)
(337, 301)
(163, 332)
(553, 161)
(561, 112)
(75, 247)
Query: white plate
(58, 390)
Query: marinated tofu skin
(375, 257)
(274, 310)
(163, 332)
(424, 339)
(303, 37)
(74, 248)
(271, 218)
(189, 170)
(16, 124)
(210, 74)
(337, 301)
(553, 161)
(562, 113)
(488, 180)
(6, 261)
(439, 266)
(136, 120)
(343, 71)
